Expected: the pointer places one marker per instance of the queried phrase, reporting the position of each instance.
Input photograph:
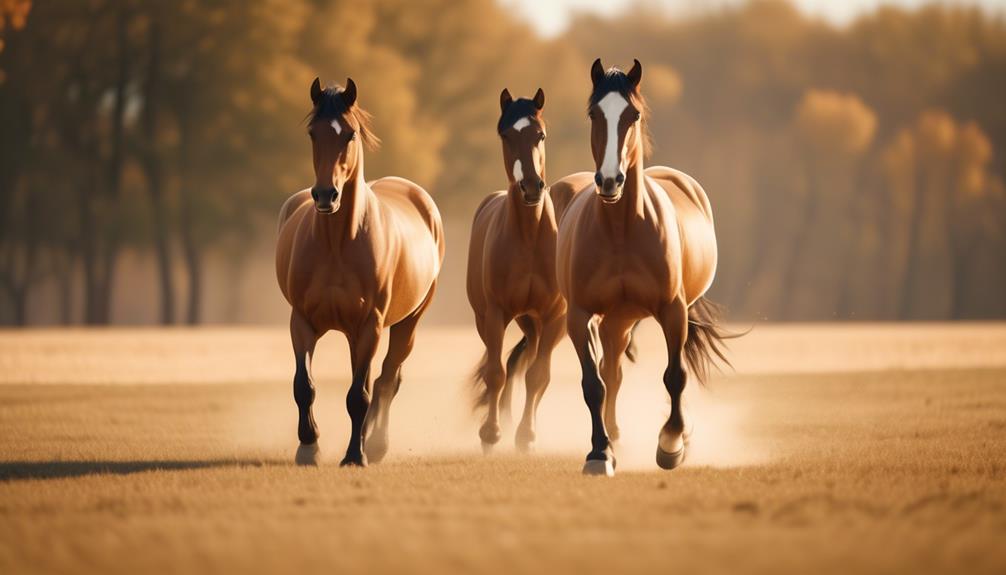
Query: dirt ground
(836, 449)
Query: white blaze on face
(337, 126)
(536, 158)
(612, 106)
(522, 123)
(518, 172)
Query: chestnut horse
(354, 257)
(511, 271)
(642, 245)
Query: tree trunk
(154, 172)
(187, 210)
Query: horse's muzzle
(532, 194)
(326, 201)
(610, 189)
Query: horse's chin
(534, 203)
(328, 211)
(610, 199)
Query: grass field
(835, 449)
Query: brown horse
(643, 244)
(511, 270)
(354, 257)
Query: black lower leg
(303, 395)
(593, 395)
(357, 403)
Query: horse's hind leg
(673, 318)
(537, 379)
(401, 339)
(601, 459)
(363, 346)
(304, 338)
(615, 337)
(514, 364)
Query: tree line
(855, 172)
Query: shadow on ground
(16, 470)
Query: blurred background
(854, 152)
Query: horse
(511, 272)
(641, 244)
(354, 256)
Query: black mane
(519, 108)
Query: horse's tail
(516, 362)
(706, 338)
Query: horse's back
(694, 218)
(414, 209)
(564, 189)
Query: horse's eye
(541, 137)
(352, 137)
(311, 135)
(638, 116)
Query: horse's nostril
(314, 194)
(620, 178)
(520, 184)
(541, 184)
(597, 178)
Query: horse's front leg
(304, 337)
(493, 373)
(673, 318)
(363, 345)
(601, 459)
(539, 373)
(614, 334)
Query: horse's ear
(596, 72)
(635, 74)
(505, 100)
(349, 94)
(315, 91)
(539, 99)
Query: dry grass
(888, 457)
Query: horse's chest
(524, 279)
(611, 276)
(334, 296)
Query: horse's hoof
(376, 450)
(309, 454)
(525, 447)
(599, 467)
(353, 460)
(670, 460)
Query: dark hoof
(308, 455)
(524, 440)
(353, 461)
(599, 467)
(376, 450)
(670, 460)
(490, 434)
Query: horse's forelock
(331, 106)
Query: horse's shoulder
(489, 204)
(291, 204)
(671, 180)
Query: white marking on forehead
(337, 126)
(612, 106)
(522, 123)
(518, 171)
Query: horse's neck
(620, 215)
(351, 219)
(526, 220)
